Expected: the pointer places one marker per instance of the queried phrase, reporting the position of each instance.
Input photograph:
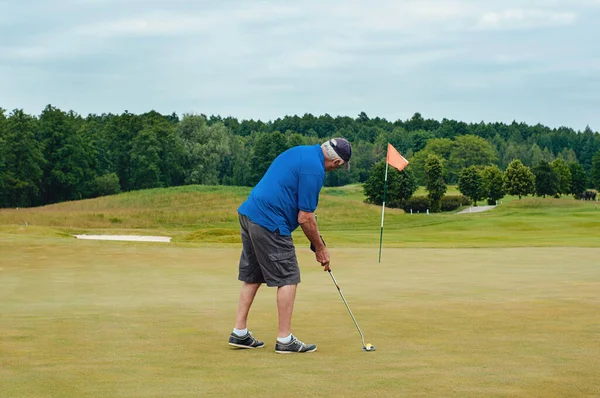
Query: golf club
(365, 347)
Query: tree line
(476, 183)
(60, 155)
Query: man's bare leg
(247, 293)
(285, 307)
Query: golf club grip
(312, 247)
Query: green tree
(235, 167)
(205, 147)
(548, 156)
(364, 156)
(4, 175)
(434, 182)
(442, 147)
(418, 139)
(2, 121)
(546, 180)
(464, 151)
(578, 180)
(92, 131)
(537, 155)
(469, 150)
(338, 178)
(103, 144)
(3, 127)
(117, 140)
(595, 171)
(416, 122)
(266, 148)
(401, 185)
(294, 139)
(171, 151)
(493, 184)
(588, 148)
(563, 174)
(104, 185)
(145, 160)
(516, 151)
(568, 155)
(403, 140)
(68, 156)
(24, 160)
(470, 184)
(519, 179)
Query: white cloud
(392, 15)
(587, 3)
(511, 59)
(308, 59)
(207, 25)
(150, 25)
(261, 11)
(518, 18)
(415, 60)
(267, 57)
(187, 23)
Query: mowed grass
(495, 304)
(115, 319)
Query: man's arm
(309, 226)
(311, 230)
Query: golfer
(285, 198)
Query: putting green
(124, 319)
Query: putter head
(369, 347)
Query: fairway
(121, 319)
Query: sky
(535, 61)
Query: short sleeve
(309, 187)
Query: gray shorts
(267, 257)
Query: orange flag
(395, 159)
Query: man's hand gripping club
(309, 226)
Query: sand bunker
(131, 238)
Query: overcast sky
(536, 61)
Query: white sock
(240, 332)
(285, 340)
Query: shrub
(107, 184)
(420, 204)
(453, 202)
(589, 194)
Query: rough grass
(114, 319)
(181, 208)
(207, 215)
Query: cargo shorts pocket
(284, 263)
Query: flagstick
(383, 209)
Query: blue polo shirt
(292, 183)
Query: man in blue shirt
(285, 198)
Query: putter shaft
(362, 337)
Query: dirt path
(476, 209)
